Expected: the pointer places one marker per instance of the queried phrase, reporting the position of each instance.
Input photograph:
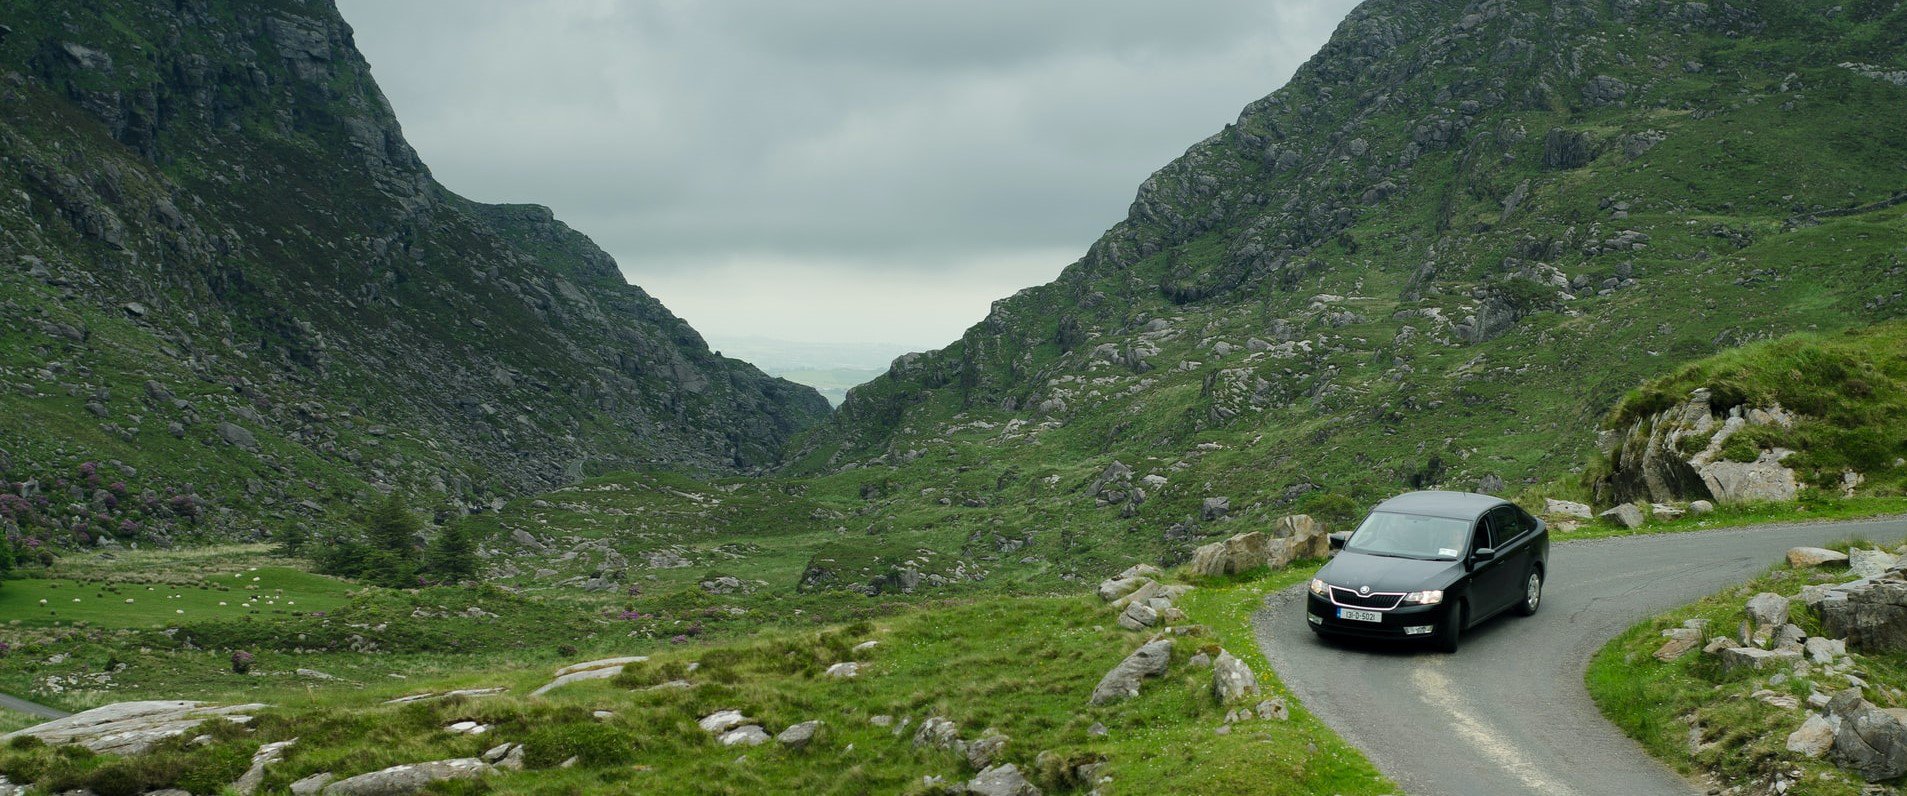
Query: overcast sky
(827, 170)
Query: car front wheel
(1532, 594)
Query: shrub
(241, 662)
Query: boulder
(799, 736)
(312, 785)
(1241, 553)
(1815, 737)
(1872, 616)
(130, 728)
(1767, 611)
(1700, 507)
(606, 663)
(1824, 650)
(1001, 780)
(938, 733)
(1566, 508)
(408, 778)
(722, 721)
(1805, 557)
(1870, 563)
(578, 676)
(1232, 680)
(1140, 571)
(1144, 593)
(1124, 680)
(237, 436)
(1625, 515)
(1756, 658)
(1870, 742)
(845, 670)
(1296, 536)
(1215, 507)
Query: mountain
(230, 287)
(1438, 256)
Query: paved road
(8, 702)
(1509, 713)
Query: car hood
(1386, 574)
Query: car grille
(1379, 601)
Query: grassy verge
(1696, 717)
(1810, 509)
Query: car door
(1498, 582)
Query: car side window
(1504, 526)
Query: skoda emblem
(1364, 591)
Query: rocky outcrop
(1870, 741)
(130, 728)
(1676, 455)
(1291, 538)
(407, 779)
(1870, 615)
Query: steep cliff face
(1440, 252)
(224, 267)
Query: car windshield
(1410, 535)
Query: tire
(1450, 636)
(1532, 594)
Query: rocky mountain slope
(227, 283)
(1438, 256)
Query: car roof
(1439, 503)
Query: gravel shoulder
(1509, 713)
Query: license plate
(1361, 616)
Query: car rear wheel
(1451, 633)
(1532, 594)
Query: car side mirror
(1483, 554)
(1339, 539)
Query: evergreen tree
(390, 534)
(453, 554)
(292, 541)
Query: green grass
(248, 592)
(1740, 737)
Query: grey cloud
(871, 136)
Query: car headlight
(1318, 587)
(1431, 597)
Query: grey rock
(745, 735)
(407, 779)
(1232, 680)
(237, 436)
(1625, 515)
(1492, 484)
(844, 670)
(1871, 616)
(1870, 742)
(1002, 780)
(1756, 658)
(938, 733)
(722, 721)
(1767, 611)
(130, 728)
(1700, 507)
(1824, 650)
(799, 736)
(1805, 557)
(1680, 641)
(1215, 507)
(1566, 508)
(1138, 616)
(982, 753)
(312, 785)
(1123, 681)
(1870, 563)
(266, 755)
(1116, 588)
(1815, 736)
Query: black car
(1430, 565)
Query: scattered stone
(1756, 658)
(266, 755)
(1232, 680)
(471, 693)
(722, 721)
(1823, 650)
(1566, 508)
(1815, 737)
(1274, 710)
(314, 674)
(983, 752)
(938, 733)
(1790, 637)
(1700, 507)
(467, 728)
(881, 720)
(1871, 616)
(1681, 641)
(1124, 680)
(1215, 507)
(845, 669)
(1138, 616)
(1002, 780)
(1200, 661)
(1098, 730)
(745, 735)
(1777, 699)
(592, 670)
(1116, 588)
(865, 646)
(799, 736)
(407, 779)
(1805, 557)
(1768, 611)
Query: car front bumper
(1403, 622)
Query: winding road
(14, 703)
(1509, 713)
